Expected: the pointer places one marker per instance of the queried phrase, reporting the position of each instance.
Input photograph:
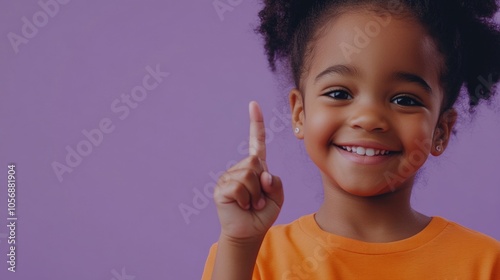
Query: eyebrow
(350, 71)
(412, 78)
(337, 69)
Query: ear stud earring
(297, 130)
(439, 148)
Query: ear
(297, 109)
(443, 131)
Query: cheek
(418, 141)
(320, 127)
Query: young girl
(375, 85)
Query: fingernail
(269, 178)
(261, 203)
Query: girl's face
(372, 103)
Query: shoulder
(467, 237)
(290, 239)
(470, 248)
(468, 233)
(290, 230)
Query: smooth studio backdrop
(121, 115)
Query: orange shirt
(444, 250)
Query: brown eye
(406, 101)
(339, 94)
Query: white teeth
(365, 151)
(370, 152)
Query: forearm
(235, 260)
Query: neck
(383, 218)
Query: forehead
(376, 44)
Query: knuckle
(261, 135)
(249, 175)
(254, 161)
(229, 188)
(217, 192)
(239, 189)
(224, 178)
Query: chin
(364, 193)
(366, 189)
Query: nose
(369, 116)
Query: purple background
(117, 213)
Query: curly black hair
(464, 31)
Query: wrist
(236, 257)
(247, 242)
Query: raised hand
(247, 196)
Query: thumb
(272, 187)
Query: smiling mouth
(369, 152)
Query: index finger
(257, 143)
